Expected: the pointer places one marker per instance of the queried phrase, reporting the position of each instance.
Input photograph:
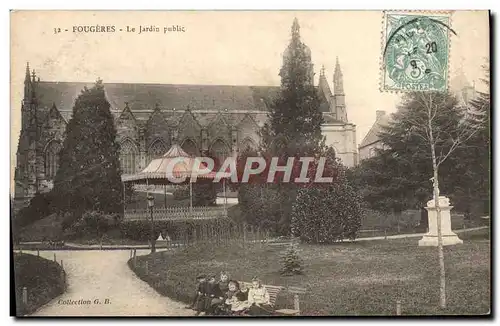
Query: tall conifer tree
(89, 176)
(295, 119)
(294, 126)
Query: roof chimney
(380, 113)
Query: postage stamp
(415, 51)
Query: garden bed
(44, 280)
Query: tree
(294, 126)
(293, 130)
(444, 125)
(259, 200)
(397, 178)
(292, 264)
(89, 176)
(473, 165)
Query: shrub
(292, 263)
(327, 213)
(92, 223)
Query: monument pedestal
(449, 237)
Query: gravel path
(100, 283)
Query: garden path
(104, 275)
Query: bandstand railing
(176, 213)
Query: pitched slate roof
(142, 99)
(167, 96)
(373, 134)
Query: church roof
(373, 134)
(142, 99)
(167, 96)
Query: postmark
(415, 51)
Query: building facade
(371, 143)
(219, 120)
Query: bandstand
(180, 165)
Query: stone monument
(431, 237)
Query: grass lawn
(43, 278)
(364, 278)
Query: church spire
(338, 80)
(27, 84)
(27, 76)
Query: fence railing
(176, 213)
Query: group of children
(228, 297)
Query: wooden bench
(274, 290)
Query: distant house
(372, 142)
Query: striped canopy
(179, 165)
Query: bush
(327, 213)
(91, 223)
(292, 263)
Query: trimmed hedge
(43, 278)
(179, 230)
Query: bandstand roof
(156, 172)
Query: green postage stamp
(415, 51)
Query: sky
(224, 48)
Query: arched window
(247, 144)
(128, 154)
(190, 147)
(219, 150)
(157, 149)
(52, 159)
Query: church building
(217, 119)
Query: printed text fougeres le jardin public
(139, 29)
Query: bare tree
(445, 125)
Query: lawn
(364, 278)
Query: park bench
(274, 290)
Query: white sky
(231, 48)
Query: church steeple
(27, 83)
(338, 93)
(338, 80)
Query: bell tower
(28, 172)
